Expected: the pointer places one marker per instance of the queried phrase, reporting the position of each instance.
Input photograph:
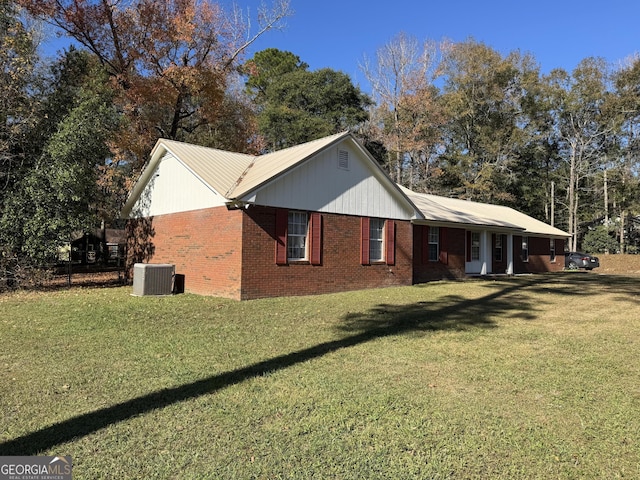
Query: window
(552, 249)
(113, 252)
(475, 246)
(498, 249)
(297, 236)
(434, 244)
(525, 249)
(376, 240)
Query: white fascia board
(157, 154)
(470, 226)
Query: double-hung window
(376, 240)
(498, 249)
(434, 244)
(525, 249)
(297, 231)
(475, 246)
(298, 237)
(552, 249)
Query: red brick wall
(204, 245)
(340, 269)
(454, 244)
(231, 253)
(539, 255)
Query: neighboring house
(316, 218)
(104, 246)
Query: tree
(582, 130)
(296, 105)
(17, 78)
(266, 68)
(484, 96)
(169, 61)
(600, 239)
(60, 193)
(625, 177)
(17, 62)
(407, 116)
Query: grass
(528, 377)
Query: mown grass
(528, 377)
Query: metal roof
(217, 168)
(266, 167)
(235, 175)
(464, 212)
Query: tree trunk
(553, 203)
(572, 199)
(606, 204)
(606, 199)
(622, 220)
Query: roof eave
(157, 153)
(458, 224)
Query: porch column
(509, 254)
(485, 252)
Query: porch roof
(452, 211)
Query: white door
(478, 260)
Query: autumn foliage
(169, 61)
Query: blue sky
(338, 33)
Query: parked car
(576, 260)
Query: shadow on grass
(586, 284)
(517, 298)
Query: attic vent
(343, 159)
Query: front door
(478, 261)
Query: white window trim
(475, 258)
(297, 235)
(434, 234)
(380, 241)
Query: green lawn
(528, 377)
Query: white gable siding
(174, 188)
(322, 184)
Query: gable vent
(343, 159)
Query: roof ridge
(195, 145)
(305, 144)
(241, 177)
(299, 152)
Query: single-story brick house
(320, 217)
(456, 238)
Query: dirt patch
(619, 264)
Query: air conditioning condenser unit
(153, 279)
